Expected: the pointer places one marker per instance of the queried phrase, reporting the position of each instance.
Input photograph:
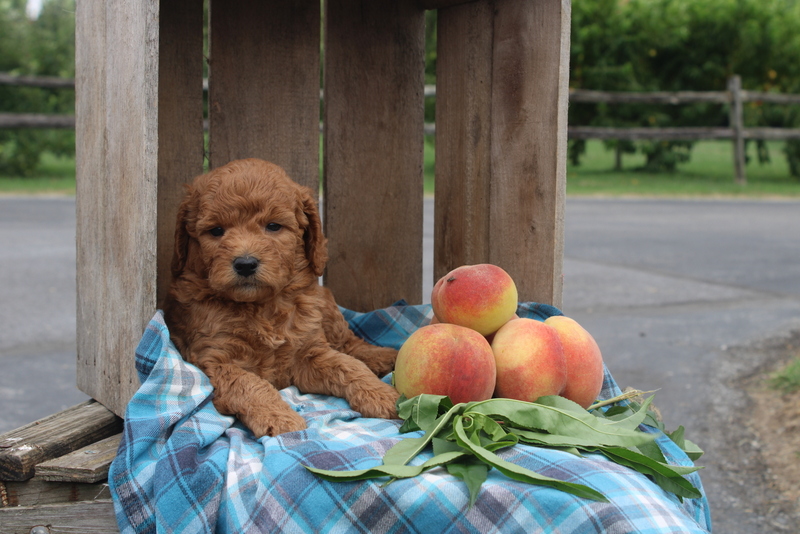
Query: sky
(34, 6)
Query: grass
(55, 176)
(787, 379)
(709, 173)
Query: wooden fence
(734, 97)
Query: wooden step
(89, 464)
(21, 450)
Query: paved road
(683, 296)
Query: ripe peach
(482, 297)
(583, 358)
(530, 360)
(446, 359)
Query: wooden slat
(264, 84)
(463, 136)
(59, 434)
(180, 119)
(88, 464)
(116, 198)
(507, 164)
(438, 4)
(37, 491)
(687, 133)
(374, 83)
(90, 517)
(529, 141)
(45, 82)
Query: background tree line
(617, 45)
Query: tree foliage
(683, 45)
(43, 47)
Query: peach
(530, 360)
(446, 359)
(583, 358)
(481, 297)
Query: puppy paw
(380, 360)
(272, 422)
(378, 400)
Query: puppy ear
(315, 242)
(186, 211)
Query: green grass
(709, 173)
(787, 379)
(55, 176)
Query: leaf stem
(619, 398)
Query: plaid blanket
(183, 467)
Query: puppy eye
(274, 227)
(217, 231)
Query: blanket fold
(183, 467)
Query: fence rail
(735, 97)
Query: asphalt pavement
(683, 296)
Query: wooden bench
(502, 90)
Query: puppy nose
(245, 265)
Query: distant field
(708, 173)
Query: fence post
(737, 124)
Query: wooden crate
(501, 140)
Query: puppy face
(248, 231)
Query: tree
(45, 46)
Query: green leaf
(668, 477)
(473, 472)
(562, 417)
(421, 412)
(519, 473)
(393, 471)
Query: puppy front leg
(380, 360)
(252, 399)
(329, 372)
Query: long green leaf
(393, 471)
(556, 415)
(519, 473)
(668, 477)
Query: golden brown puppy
(246, 307)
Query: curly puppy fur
(246, 307)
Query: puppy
(245, 305)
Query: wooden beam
(96, 517)
(116, 197)
(54, 436)
(264, 84)
(88, 464)
(373, 150)
(36, 491)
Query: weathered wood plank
(463, 136)
(53, 436)
(88, 464)
(116, 199)
(180, 119)
(36, 491)
(529, 140)
(438, 4)
(264, 84)
(373, 146)
(90, 517)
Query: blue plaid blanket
(183, 467)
